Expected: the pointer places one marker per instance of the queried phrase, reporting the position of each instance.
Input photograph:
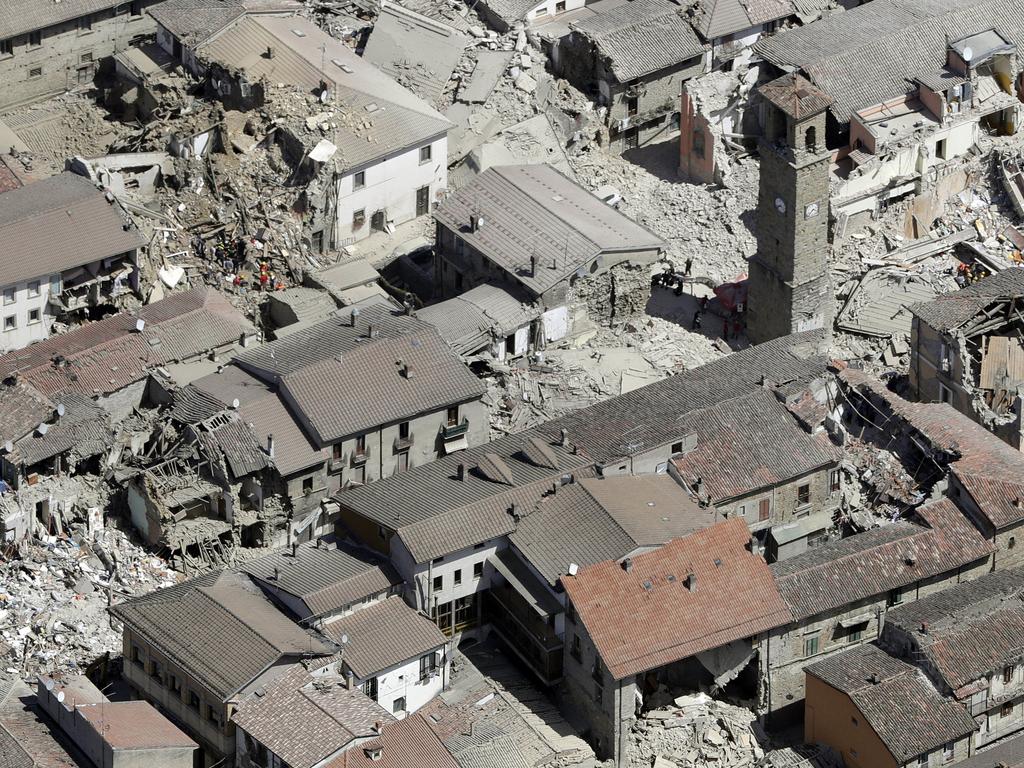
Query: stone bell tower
(788, 285)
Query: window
(575, 648)
(741, 510)
(428, 664)
(940, 149)
(193, 700)
(359, 219)
(156, 671)
(318, 241)
(34, 316)
(945, 394)
(425, 154)
(457, 579)
(855, 633)
(307, 485)
(359, 180)
(10, 296)
(403, 430)
(85, 58)
(677, 448)
(835, 481)
(764, 508)
(698, 142)
(403, 462)
(947, 752)
(811, 139)
(465, 611)
(33, 289)
(136, 8)
(35, 39)
(1011, 542)
(174, 684)
(336, 451)
(211, 714)
(1008, 674)
(35, 72)
(478, 570)
(542, 11)
(560, 6)
(398, 705)
(370, 688)
(570, 612)
(6, 47)
(1006, 710)
(895, 597)
(136, 655)
(810, 645)
(632, 105)
(438, 583)
(452, 416)
(803, 495)
(442, 616)
(84, 23)
(922, 760)
(437, 560)
(361, 444)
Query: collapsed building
(965, 351)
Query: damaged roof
(195, 21)
(536, 211)
(874, 562)
(897, 701)
(306, 720)
(59, 223)
(968, 631)
(227, 437)
(84, 429)
(22, 409)
(720, 18)
(596, 519)
(474, 319)
(641, 37)
(109, 354)
(953, 309)
(668, 605)
(871, 53)
(243, 634)
(324, 577)
(795, 95)
(375, 117)
(751, 442)
(384, 635)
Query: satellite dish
(344, 639)
(573, 569)
(60, 409)
(140, 325)
(60, 696)
(43, 428)
(968, 53)
(49, 685)
(323, 96)
(8, 446)
(234, 403)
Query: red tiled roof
(108, 355)
(647, 617)
(407, 743)
(134, 725)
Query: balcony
(451, 431)
(403, 443)
(359, 457)
(527, 636)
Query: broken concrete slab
(490, 66)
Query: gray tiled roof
(751, 442)
(535, 210)
(242, 633)
(22, 408)
(325, 577)
(304, 721)
(228, 437)
(375, 116)
(719, 18)
(642, 37)
(472, 319)
(871, 53)
(60, 223)
(383, 635)
(953, 309)
(1008, 753)
(879, 560)
(968, 631)
(12, 754)
(903, 707)
(194, 21)
(84, 430)
(20, 16)
(604, 519)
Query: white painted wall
(421, 575)
(550, 8)
(16, 302)
(403, 681)
(391, 186)
(522, 343)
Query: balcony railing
(455, 430)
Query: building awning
(856, 621)
(519, 577)
(456, 444)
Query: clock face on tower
(780, 204)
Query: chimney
(353, 316)
(377, 726)
(690, 582)
(565, 438)
(277, 574)
(270, 51)
(371, 331)
(533, 266)
(270, 445)
(295, 549)
(406, 370)
(698, 485)
(462, 473)
(627, 565)
(874, 679)
(350, 680)
(924, 627)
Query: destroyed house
(982, 474)
(838, 593)
(581, 524)
(874, 709)
(111, 360)
(657, 616)
(906, 104)
(752, 459)
(48, 48)
(378, 390)
(305, 722)
(384, 150)
(965, 351)
(487, 320)
(967, 640)
(201, 677)
(68, 248)
(392, 653)
(531, 228)
(636, 56)
(730, 26)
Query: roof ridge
(608, 514)
(204, 591)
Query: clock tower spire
(788, 285)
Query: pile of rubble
(696, 730)
(54, 598)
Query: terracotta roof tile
(130, 725)
(407, 743)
